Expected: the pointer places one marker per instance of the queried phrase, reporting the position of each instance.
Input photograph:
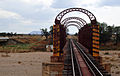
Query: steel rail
(83, 53)
(77, 64)
(73, 67)
(87, 63)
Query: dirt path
(23, 64)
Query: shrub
(106, 53)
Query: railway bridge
(88, 35)
(80, 58)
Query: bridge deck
(78, 61)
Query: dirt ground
(30, 64)
(113, 58)
(23, 64)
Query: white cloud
(110, 3)
(8, 14)
(63, 4)
(12, 21)
(87, 2)
(36, 14)
(108, 14)
(13, 16)
(45, 3)
(26, 22)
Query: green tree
(117, 34)
(103, 27)
(109, 30)
(67, 30)
(15, 34)
(45, 32)
(103, 33)
(75, 34)
(3, 34)
(51, 30)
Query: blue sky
(24, 16)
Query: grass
(30, 43)
(15, 48)
(19, 46)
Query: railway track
(77, 62)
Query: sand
(23, 64)
(30, 64)
(114, 60)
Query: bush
(106, 53)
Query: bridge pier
(95, 42)
(59, 40)
(52, 69)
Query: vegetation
(75, 34)
(51, 31)
(8, 34)
(106, 53)
(20, 46)
(109, 33)
(45, 33)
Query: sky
(24, 16)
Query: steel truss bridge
(81, 58)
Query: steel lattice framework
(78, 23)
(73, 25)
(88, 13)
(75, 18)
(88, 35)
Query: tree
(51, 30)
(75, 34)
(109, 30)
(117, 34)
(103, 33)
(11, 34)
(3, 34)
(8, 34)
(67, 30)
(45, 32)
(15, 34)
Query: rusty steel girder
(78, 23)
(73, 25)
(88, 13)
(87, 34)
(85, 37)
(74, 18)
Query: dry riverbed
(112, 57)
(23, 64)
(30, 64)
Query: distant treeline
(8, 34)
(3, 34)
(109, 33)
